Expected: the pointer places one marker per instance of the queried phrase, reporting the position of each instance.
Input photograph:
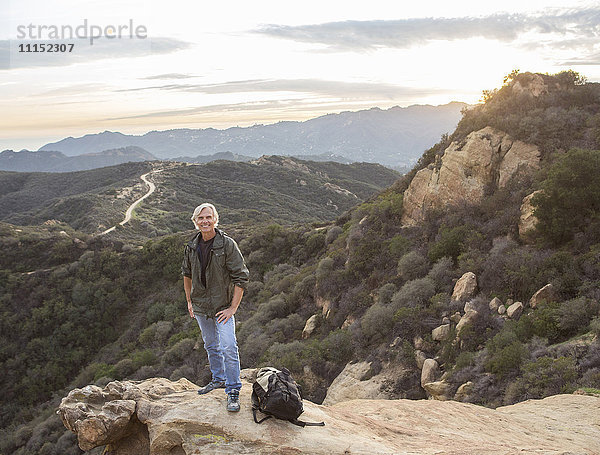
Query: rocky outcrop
(465, 287)
(486, 159)
(358, 381)
(170, 418)
(527, 220)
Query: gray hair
(201, 207)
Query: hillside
(46, 161)
(395, 136)
(369, 305)
(272, 189)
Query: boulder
(172, 419)
(456, 317)
(310, 326)
(440, 333)
(468, 318)
(420, 358)
(501, 309)
(515, 310)
(439, 390)
(527, 220)
(357, 381)
(487, 158)
(495, 304)
(463, 391)
(544, 295)
(465, 287)
(430, 371)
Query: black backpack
(276, 394)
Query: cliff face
(486, 160)
(159, 417)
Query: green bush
(505, 354)
(570, 200)
(377, 323)
(451, 243)
(412, 266)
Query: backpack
(276, 394)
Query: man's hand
(224, 315)
(190, 310)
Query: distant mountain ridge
(54, 161)
(395, 136)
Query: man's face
(205, 220)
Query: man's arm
(224, 315)
(187, 287)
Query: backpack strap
(303, 424)
(261, 420)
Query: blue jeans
(222, 349)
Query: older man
(214, 278)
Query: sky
(135, 66)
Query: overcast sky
(199, 64)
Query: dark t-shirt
(203, 252)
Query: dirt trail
(129, 212)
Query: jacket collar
(217, 243)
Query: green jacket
(226, 268)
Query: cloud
(347, 90)
(169, 76)
(82, 51)
(405, 33)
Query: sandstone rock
(515, 310)
(310, 326)
(456, 317)
(430, 371)
(419, 343)
(495, 304)
(420, 358)
(446, 320)
(440, 333)
(468, 318)
(439, 390)
(501, 309)
(471, 305)
(465, 287)
(463, 391)
(527, 220)
(171, 422)
(487, 158)
(348, 322)
(544, 295)
(356, 381)
(529, 84)
(325, 305)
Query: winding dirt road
(129, 212)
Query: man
(214, 279)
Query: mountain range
(395, 137)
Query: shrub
(441, 274)
(332, 234)
(547, 376)
(385, 293)
(451, 243)
(414, 293)
(377, 323)
(412, 265)
(570, 199)
(505, 354)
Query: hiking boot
(233, 401)
(212, 385)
